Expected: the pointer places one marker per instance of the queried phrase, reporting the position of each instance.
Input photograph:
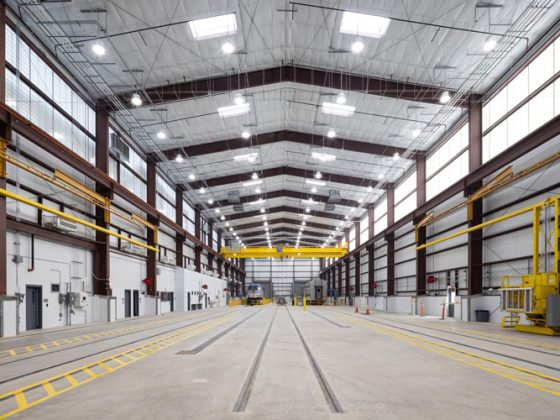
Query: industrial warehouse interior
(249, 209)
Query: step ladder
(510, 321)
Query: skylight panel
(213, 27)
(364, 25)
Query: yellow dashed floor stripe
(20, 396)
(86, 337)
(534, 379)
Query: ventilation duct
(334, 196)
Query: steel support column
(371, 269)
(390, 238)
(474, 243)
(197, 233)
(102, 253)
(210, 244)
(5, 133)
(179, 238)
(151, 261)
(339, 286)
(347, 277)
(420, 200)
(357, 274)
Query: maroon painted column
(339, 287)
(210, 243)
(102, 254)
(347, 277)
(197, 247)
(6, 133)
(179, 238)
(390, 238)
(151, 261)
(421, 232)
(219, 260)
(357, 268)
(370, 249)
(474, 243)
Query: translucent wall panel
(405, 187)
(448, 150)
(406, 206)
(380, 210)
(453, 172)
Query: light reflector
(234, 110)
(213, 27)
(314, 182)
(323, 157)
(364, 25)
(337, 109)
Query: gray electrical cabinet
(553, 310)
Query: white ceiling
(152, 39)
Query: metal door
(127, 305)
(136, 302)
(33, 308)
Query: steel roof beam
(323, 78)
(288, 136)
(285, 170)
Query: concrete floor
(380, 366)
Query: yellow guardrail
(236, 302)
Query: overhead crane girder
(283, 252)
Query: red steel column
(370, 249)
(390, 238)
(197, 233)
(357, 268)
(474, 244)
(5, 132)
(151, 261)
(420, 200)
(102, 253)
(179, 238)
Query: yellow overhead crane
(284, 252)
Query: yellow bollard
(304, 303)
(295, 300)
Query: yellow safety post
(304, 303)
(295, 300)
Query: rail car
(255, 294)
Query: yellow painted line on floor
(90, 336)
(534, 379)
(506, 339)
(147, 349)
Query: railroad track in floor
(25, 397)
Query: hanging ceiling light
(136, 99)
(222, 217)
(318, 175)
(445, 97)
(245, 134)
(416, 132)
(341, 98)
(98, 49)
(228, 47)
(490, 44)
(357, 47)
(210, 201)
(179, 158)
(202, 190)
(396, 156)
(192, 176)
(314, 190)
(380, 176)
(161, 135)
(331, 133)
(255, 176)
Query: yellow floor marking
(44, 346)
(49, 389)
(530, 376)
(183, 334)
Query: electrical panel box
(81, 300)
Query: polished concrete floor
(281, 363)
